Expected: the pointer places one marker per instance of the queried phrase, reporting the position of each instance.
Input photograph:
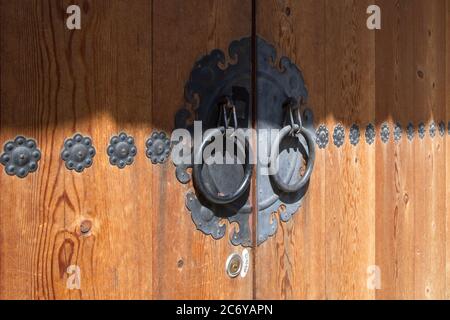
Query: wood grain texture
(447, 150)
(429, 193)
(395, 200)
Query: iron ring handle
(285, 187)
(197, 169)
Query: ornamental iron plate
(20, 157)
(78, 153)
(212, 78)
(121, 150)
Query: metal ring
(285, 187)
(197, 169)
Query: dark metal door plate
(281, 92)
(214, 77)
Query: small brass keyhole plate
(234, 265)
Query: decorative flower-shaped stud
(385, 132)
(422, 130)
(121, 150)
(20, 157)
(322, 136)
(339, 135)
(442, 128)
(432, 129)
(158, 147)
(398, 131)
(354, 135)
(370, 134)
(78, 153)
(410, 131)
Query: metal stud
(442, 128)
(78, 153)
(421, 130)
(410, 131)
(370, 134)
(339, 135)
(432, 129)
(398, 131)
(322, 136)
(354, 135)
(385, 132)
(158, 147)
(20, 157)
(121, 150)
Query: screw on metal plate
(322, 136)
(121, 150)
(410, 131)
(442, 128)
(78, 153)
(385, 132)
(20, 157)
(432, 129)
(370, 134)
(354, 134)
(158, 147)
(398, 131)
(233, 265)
(339, 135)
(422, 130)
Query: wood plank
(296, 255)
(395, 201)
(187, 264)
(350, 98)
(429, 99)
(447, 149)
(96, 81)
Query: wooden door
(127, 233)
(125, 70)
(370, 208)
